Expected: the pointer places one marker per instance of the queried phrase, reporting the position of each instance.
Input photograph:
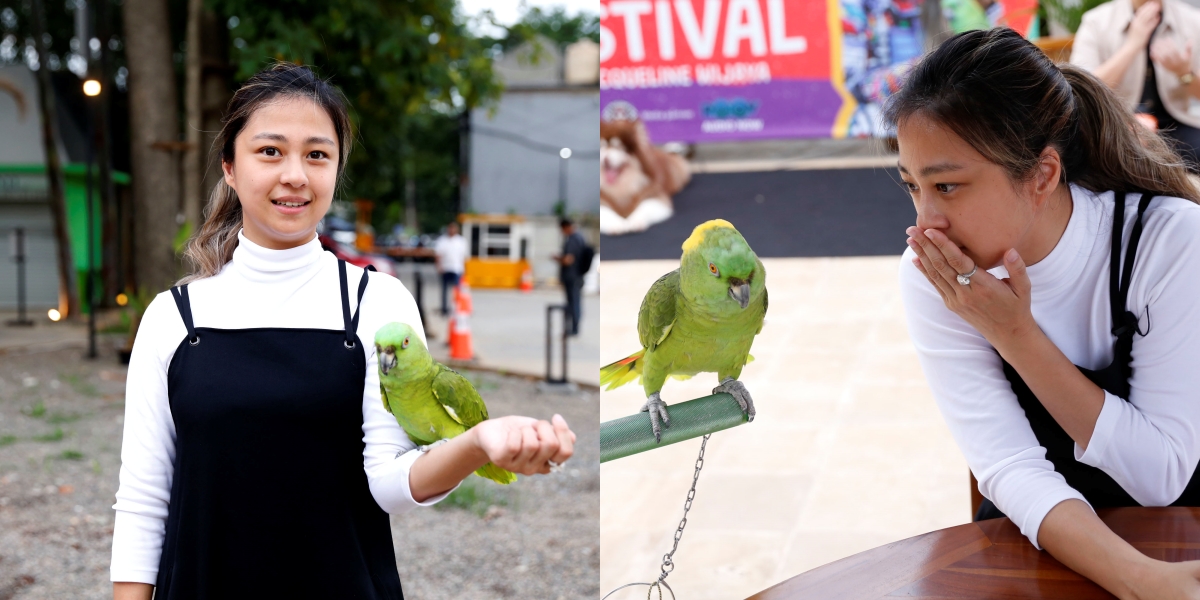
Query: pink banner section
(717, 70)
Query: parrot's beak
(387, 362)
(740, 292)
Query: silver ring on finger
(554, 467)
(965, 278)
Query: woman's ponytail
(1111, 150)
(1009, 101)
(212, 247)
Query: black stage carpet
(842, 212)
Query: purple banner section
(790, 108)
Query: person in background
(452, 253)
(1143, 50)
(568, 271)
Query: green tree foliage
(1069, 13)
(16, 31)
(554, 24)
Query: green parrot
(701, 317)
(430, 402)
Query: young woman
(258, 460)
(1051, 291)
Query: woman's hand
(1145, 20)
(1167, 581)
(524, 445)
(997, 308)
(518, 444)
(1171, 56)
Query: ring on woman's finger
(554, 467)
(965, 278)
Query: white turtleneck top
(294, 288)
(1149, 445)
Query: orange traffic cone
(460, 328)
(527, 280)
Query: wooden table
(987, 559)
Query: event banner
(722, 70)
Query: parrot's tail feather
(490, 471)
(623, 371)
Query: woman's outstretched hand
(524, 445)
(997, 308)
(1167, 581)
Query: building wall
(514, 161)
(41, 271)
(24, 192)
(22, 204)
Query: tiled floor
(848, 451)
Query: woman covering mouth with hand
(258, 460)
(1051, 292)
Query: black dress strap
(185, 310)
(1099, 488)
(1125, 323)
(351, 322)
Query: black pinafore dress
(269, 497)
(1096, 486)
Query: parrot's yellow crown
(698, 233)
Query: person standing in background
(1143, 50)
(569, 272)
(451, 250)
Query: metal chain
(668, 565)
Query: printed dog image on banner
(637, 179)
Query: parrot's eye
(405, 344)
(713, 269)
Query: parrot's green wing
(458, 397)
(765, 303)
(657, 316)
(384, 396)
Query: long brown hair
(1009, 101)
(212, 247)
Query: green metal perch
(630, 435)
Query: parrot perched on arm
(701, 317)
(430, 402)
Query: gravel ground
(60, 442)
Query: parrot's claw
(433, 445)
(735, 388)
(658, 412)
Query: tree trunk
(191, 101)
(110, 254)
(68, 289)
(411, 223)
(155, 169)
(215, 78)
